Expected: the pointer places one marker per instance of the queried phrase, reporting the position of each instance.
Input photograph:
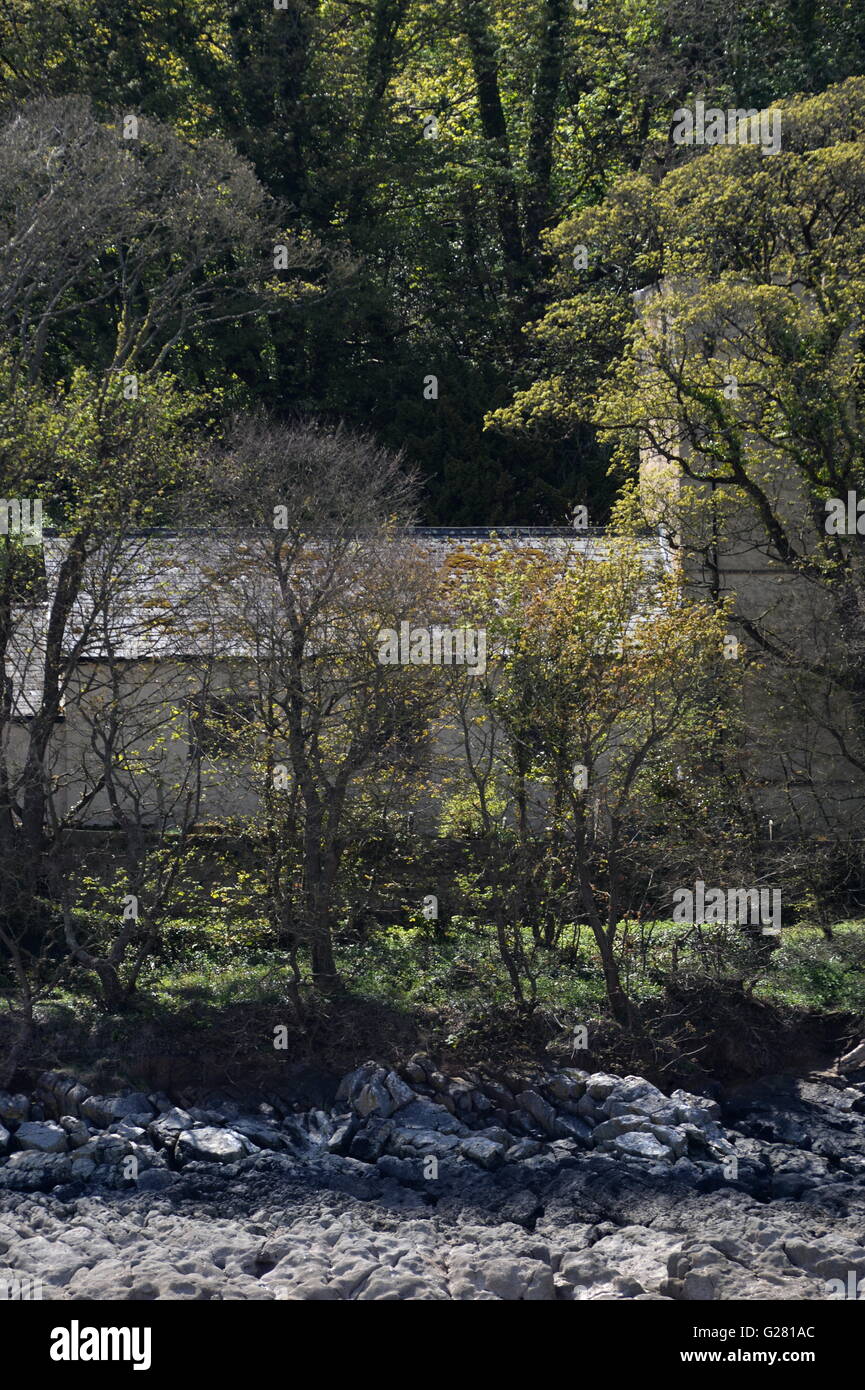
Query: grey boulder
(854, 1060)
(639, 1145)
(540, 1110)
(166, 1129)
(44, 1137)
(210, 1145)
(76, 1130)
(484, 1152)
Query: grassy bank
(216, 1006)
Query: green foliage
(813, 971)
(428, 254)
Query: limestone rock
(210, 1145)
(46, 1137)
(340, 1141)
(523, 1149)
(165, 1129)
(351, 1085)
(374, 1097)
(399, 1092)
(599, 1085)
(134, 1104)
(29, 1171)
(426, 1114)
(852, 1061)
(262, 1134)
(638, 1145)
(565, 1086)
(76, 1130)
(125, 1130)
(616, 1125)
(484, 1152)
(370, 1141)
(540, 1110)
(98, 1110)
(574, 1128)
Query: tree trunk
(620, 1004)
(478, 31)
(539, 160)
(319, 869)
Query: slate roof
(174, 594)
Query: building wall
(800, 726)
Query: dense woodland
(427, 160)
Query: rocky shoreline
(409, 1184)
